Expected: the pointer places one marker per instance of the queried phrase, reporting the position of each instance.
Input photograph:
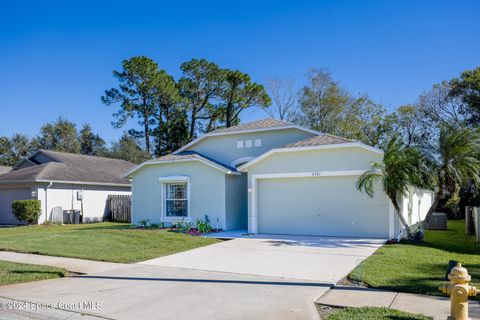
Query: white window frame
(248, 143)
(240, 144)
(172, 180)
(258, 143)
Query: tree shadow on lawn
(453, 239)
(31, 272)
(119, 227)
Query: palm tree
(402, 168)
(456, 162)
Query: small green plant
(182, 225)
(27, 210)
(160, 225)
(203, 225)
(144, 223)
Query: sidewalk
(71, 264)
(435, 307)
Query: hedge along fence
(27, 210)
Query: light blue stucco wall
(224, 148)
(347, 158)
(207, 191)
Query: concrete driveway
(252, 278)
(325, 259)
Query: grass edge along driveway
(421, 268)
(14, 272)
(112, 242)
(373, 314)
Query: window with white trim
(240, 144)
(258, 142)
(248, 143)
(176, 199)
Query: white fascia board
(16, 181)
(205, 161)
(185, 147)
(295, 149)
(333, 173)
(87, 183)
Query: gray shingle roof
(74, 168)
(320, 140)
(254, 125)
(4, 169)
(192, 155)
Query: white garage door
(327, 206)
(6, 199)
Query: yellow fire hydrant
(459, 291)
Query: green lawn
(421, 268)
(113, 242)
(12, 272)
(373, 314)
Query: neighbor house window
(176, 199)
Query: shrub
(144, 223)
(204, 226)
(182, 225)
(27, 210)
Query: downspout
(46, 200)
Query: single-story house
(66, 180)
(273, 177)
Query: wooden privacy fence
(120, 208)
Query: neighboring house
(269, 176)
(70, 181)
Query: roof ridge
(30, 168)
(250, 123)
(80, 155)
(195, 155)
(339, 137)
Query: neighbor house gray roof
(255, 125)
(4, 169)
(320, 140)
(191, 155)
(69, 167)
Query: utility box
(57, 215)
(438, 221)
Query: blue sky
(56, 58)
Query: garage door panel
(329, 206)
(6, 199)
